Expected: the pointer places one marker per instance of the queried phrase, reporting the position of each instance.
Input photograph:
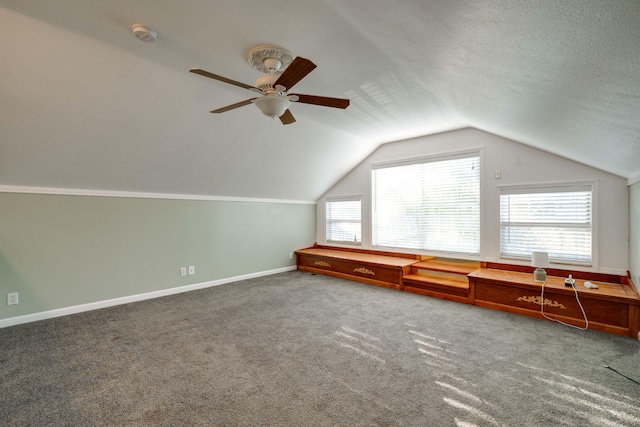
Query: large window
(430, 205)
(344, 220)
(555, 220)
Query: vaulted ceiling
(86, 105)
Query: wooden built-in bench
(374, 268)
(614, 307)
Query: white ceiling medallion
(269, 59)
(144, 33)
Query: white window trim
(532, 187)
(425, 159)
(367, 232)
(343, 198)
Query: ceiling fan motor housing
(265, 82)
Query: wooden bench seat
(613, 307)
(370, 268)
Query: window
(431, 205)
(555, 220)
(344, 220)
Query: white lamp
(540, 260)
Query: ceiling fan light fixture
(272, 105)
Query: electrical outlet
(183, 271)
(12, 298)
(192, 270)
(498, 174)
(290, 255)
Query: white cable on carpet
(586, 321)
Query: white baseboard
(43, 315)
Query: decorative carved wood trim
(322, 264)
(363, 271)
(537, 300)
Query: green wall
(60, 251)
(634, 234)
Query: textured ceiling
(86, 105)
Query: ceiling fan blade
(295, 72)
(322, 100)
(233, 106)
(287, 118)
(223, 79)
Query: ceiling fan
(281, 73)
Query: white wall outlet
(290, 255)
(183, 271)
(192, 270)
(498, 174)
(12, 298)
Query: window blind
(432, 205)
(554, 220)
(344, 220)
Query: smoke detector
(144, 33)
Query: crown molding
(139, 195)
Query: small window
(344, 220)
(557, 220)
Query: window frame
(346, 198)
(441, 157)
(552, 188)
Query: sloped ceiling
(86, 105)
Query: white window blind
(344, 220)
(432, 205)
(554, 220)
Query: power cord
(620, 373)
(586, 321)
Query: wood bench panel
(377, 270)
(438, 282)
(609, 308)
(438, 286)
(555, 303)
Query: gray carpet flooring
(297, 349)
